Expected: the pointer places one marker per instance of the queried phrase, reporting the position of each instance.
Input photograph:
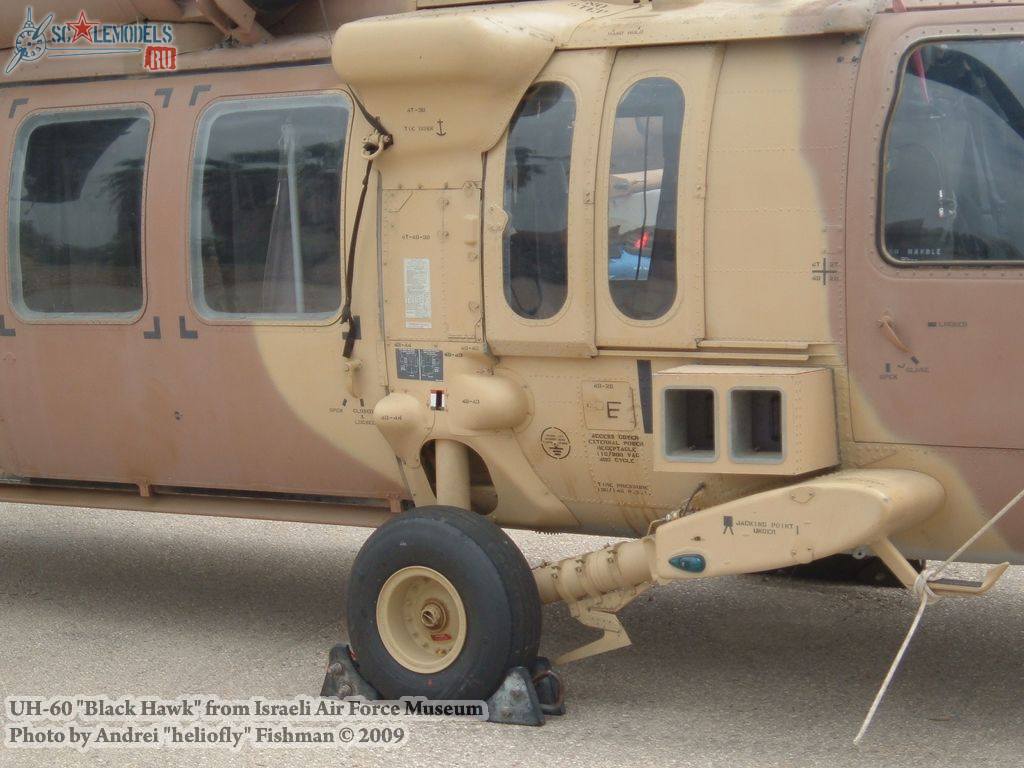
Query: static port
(690, 424)
(756, 421)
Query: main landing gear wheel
(441, 604)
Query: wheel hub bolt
(433, 615)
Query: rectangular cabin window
(536, 244)
(266, 208)
(76, 211)
(642, 190)
(953, 185)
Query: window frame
(940, 265)
(37, 118)
(678, 283)
(573, 176)
(194, 269)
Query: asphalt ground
(748, 671)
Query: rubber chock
(549, 687)
(524, 698)
(343, 679)
(516, 701)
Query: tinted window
(537, 201)
(76, 212)
(642, 191)
(954, 162)
(266, 207)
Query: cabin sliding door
(175, 289)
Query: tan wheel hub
(421, 619)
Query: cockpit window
(536, 255)
(76, 213)
(954, 160)
(266, 207)
(642, 191)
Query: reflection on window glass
(76, 212)
(537, 201)
(642, 191)
(954, 162)
(266, 207)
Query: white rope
(926, 595)
(922, 588)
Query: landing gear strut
(847, 568)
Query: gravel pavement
(748, 671)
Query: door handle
(888, 326)
(351, 369)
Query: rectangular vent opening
(756, 417)
(690, 424)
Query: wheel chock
(549, 687)
(343, 679)
(524, 698)
(516, 702)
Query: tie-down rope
(922, 588)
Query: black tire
(494, 582)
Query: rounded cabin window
(643, 187)
(536, 243)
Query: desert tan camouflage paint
(780, 282)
